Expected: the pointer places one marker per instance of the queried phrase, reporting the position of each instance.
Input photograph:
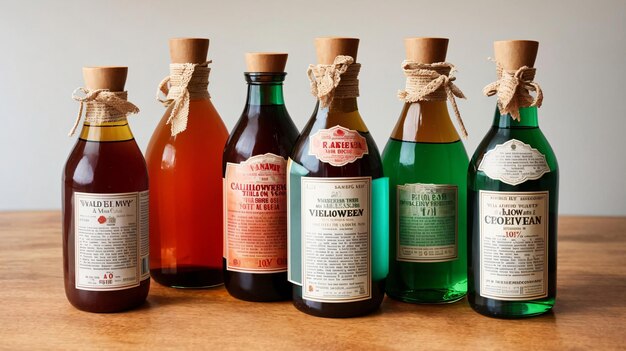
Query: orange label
(255, 211)
(337, 146)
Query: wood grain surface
(34, 313)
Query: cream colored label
(514, 162)
(426, 223)
(337, 146)
(255, 222)
(514, 245)
(111, 240)
(336, 239)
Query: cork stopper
(426, 50)
(329, 48)
(266, 61)
(107, 77)
(189, 50)
(513, 54)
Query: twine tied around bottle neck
(513, 90)
(432, 82)
(102, 105)
(338, 80)
(186, 81)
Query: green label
(426, 223)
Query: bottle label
(336, 239)
(337, 146)
(111, 240)
(426, 223)
(514, 162)
(255, 223)
(513, 245)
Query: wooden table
(34, 313)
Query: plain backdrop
(581, 68)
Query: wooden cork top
(106, 77)
(426, 50)
(513, 54)
(329, 48)
(189, 50)
(266, 61)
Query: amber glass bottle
(255, 181)
(105, 207)
(186, 177)
(338, 200)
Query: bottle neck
(426, 121)
(343, 112)
(265, 88)
(528, 119)
(106, 131)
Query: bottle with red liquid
(255, 200)
(185, 165)
(105, 202)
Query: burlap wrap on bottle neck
(101, 106)
(186, 81)
(339, 80)
(432, 82)
(513, 90)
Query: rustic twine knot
(102, 105)
(186, 81)
(338, 80)
(513, 89)
(432, 82)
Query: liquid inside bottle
(338, 200)
(185, 178)
(105, 211)
(513, 202)
(255, 206)
(425, 161)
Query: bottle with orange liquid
(185, 166)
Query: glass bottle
(426, 164)
(255, 190)
(185, 175)
(105, 208)
(337, 198)
(513, 202)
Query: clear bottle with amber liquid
(337, 196)
(426, 164)
(105, 202)
(255, 186)
(184, 159)
(513, 184)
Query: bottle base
(512, 309)
(188, 277)
(108, 301)
(340, 310)
(428, 296)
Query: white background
(581, 68)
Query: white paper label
(513, 245)
(514, 162)
(426, 223)
(336, 239)
(111, 240)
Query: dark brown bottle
(338, 201)
(105, 207)
(255, 206)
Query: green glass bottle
(426, 164)
(513, 183)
